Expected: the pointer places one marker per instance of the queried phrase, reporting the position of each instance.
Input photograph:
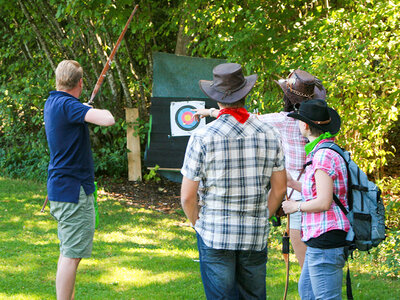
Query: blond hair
(68, 74)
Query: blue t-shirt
(71, 161)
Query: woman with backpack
(324, 225)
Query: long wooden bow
(110, 58)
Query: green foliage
(357, 52)
(351, 46)
(109, 149)
(152, 175)
(352, 49)
(141, 128)
(83, 31)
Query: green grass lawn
(137, 254)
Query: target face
(182, 117)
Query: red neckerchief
(240, 114)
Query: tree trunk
(139, 93)
(182, 40)
(110, 77)
(49, 15)
(121, 74)
(24, 46)
(38, 35)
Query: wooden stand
(133, 145)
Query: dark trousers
(232, 274)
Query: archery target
(182, 120)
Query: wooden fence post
(133, 145)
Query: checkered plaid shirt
(233, 163)
(292, 141)
(329, 161)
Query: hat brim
(319, 93)
(207, 87)
(333, 127)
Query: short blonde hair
(68, 74)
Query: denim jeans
(322, 274)
(232, 274)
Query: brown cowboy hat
(301, 85)
(316, 113)
(228, 84)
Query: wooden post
(133, 145)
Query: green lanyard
(310, 146)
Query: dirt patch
(163, 196)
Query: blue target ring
(184, 118)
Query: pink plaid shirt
(292, 141)
(329, 161)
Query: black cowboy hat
(301, 85)
(228, 84)
(316, 113)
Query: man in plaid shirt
(236, 165)
(298, 87)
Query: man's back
(71, 163)
(234, 163)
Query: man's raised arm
(100, 117)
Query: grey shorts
(75, 225)
(295, 220)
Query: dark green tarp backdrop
(175, 78)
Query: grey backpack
(366, 210)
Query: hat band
(229, 92)
(297, 92)
(322, 122)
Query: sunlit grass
(137, 254)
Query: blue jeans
(322, 274)
(232, 274)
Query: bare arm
(189, 199)
(100, 117)
(205, 112)
(277, 192)
(322, 202)
(293, 184)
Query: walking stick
(110, 58)
(286, 251)
(286, 241)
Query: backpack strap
(349, 290)
(337, 149)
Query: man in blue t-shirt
(70, 183)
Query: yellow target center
(187, 119)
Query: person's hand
(289, 206)
(201, 113)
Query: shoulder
(327, 153)
(328, 160)
(278, 117)
(205, 130)
(263, 127)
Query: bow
(110, 58)
(44, 203)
